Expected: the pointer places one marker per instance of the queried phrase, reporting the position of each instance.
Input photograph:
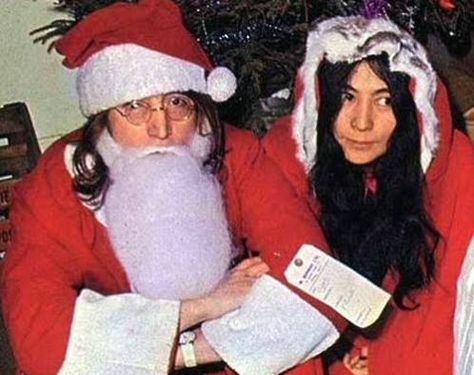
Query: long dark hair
(389, 231)
(91, 174)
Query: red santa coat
(421, 341)
(59, 247)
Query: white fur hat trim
(120, 73)
(354, 38)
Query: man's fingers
(252, 267)
(246, 263)
(257, 270)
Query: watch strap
(187, 351)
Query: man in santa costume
(122, 238)
(371, 146)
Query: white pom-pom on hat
(221, 84)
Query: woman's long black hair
(91, 174)
(389, 231)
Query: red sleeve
(40, 279)
(275, 221)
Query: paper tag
(353, 296)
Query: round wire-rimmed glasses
(177, 107)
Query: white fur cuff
(121, 334)
(273, 330)
(464, 318)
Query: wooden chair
(19, 152)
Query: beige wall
(29, 74)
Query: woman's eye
(385, 101)
(347, 96)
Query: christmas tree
(263, 41)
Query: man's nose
(362, 118)
(159, 126)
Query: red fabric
(421, 341)
(59, 247)
(154, 24)
(371, 183)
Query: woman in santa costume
(125, 232)
(371, 146)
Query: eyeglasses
(177, 107)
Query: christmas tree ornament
(447, 4)
(454, 25)
(374, 8)
(262, 42)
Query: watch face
(187, 337)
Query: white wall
(29, 74)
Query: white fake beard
(167, 222)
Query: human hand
(227, 296)
(233, 290)
(356, 362)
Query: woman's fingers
(356, 362)
(351, 360)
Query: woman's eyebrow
(350, 88)
(382, 90)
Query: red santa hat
(130, 51)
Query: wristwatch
(186, 343)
